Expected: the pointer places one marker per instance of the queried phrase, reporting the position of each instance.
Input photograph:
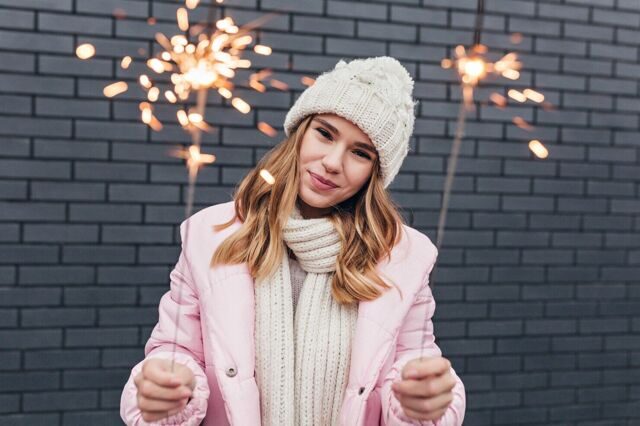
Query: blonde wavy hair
(369, 224)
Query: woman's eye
(363, 154)
(323, 133)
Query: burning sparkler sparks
(472, 67)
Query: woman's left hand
(425, 390)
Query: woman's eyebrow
(337, 133)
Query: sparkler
(472, 67)
(202, 58)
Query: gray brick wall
(537, 289)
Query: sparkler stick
(472, 68)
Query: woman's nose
(332, 160)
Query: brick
(68, 191)
(95, 379)
(618, 18)
(468, 20)
(25, 126)
(305, 6)
(33, 42)
(105, 213)
(59, 400)
(15, 105)
(98, 418)
(59, 317)
(55, 275)
(362, 11)
(587, 66)
(133, 275)
(61, 5)
(13, 190)
(15, 297)
(89, 129)
(328, 26)
(97, 254)
(414, 15)
(534, 26)
(57, 107)
(99, 296)
(292, 42)
(336, 46)
(28, 254)
(131, 9)
(29, 419)
(127, 316)
(12, 61)
(18, 339)
(136, 234)
(109, 171)
(609, 85)
(55, 22)
(17, 19)
(549, 397)
(76, 149)
(62, 358)
(144, 193)
(495, 328)
(101, 337)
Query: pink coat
(217, 325)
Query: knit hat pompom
(376, 95)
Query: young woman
(304, 302)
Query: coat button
(231, 372)
(361, 391)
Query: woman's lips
(320, 184)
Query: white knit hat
(374, 94)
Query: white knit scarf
(302, 363)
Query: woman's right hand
(161, 393)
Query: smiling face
(336, 160)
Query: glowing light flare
(262, 50)
(499, 100)
(268, 177)
(516, 38)
(183, 119)
(194, 117)
(126, 61)
(241, 105)
(517, 96)
(255, 84)
(533, 95)
(194, 158)
(115, 89)
(280, 85)
(522, 123)
(170, 96)
(267, 129)
(307, 81)
(241, 42)
(538, 149)
(144, 81)
(472, 69)
(85, 51)
(183, 18)
(159, 66)
(153, 94)
(225, 93)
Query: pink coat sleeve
(408, 348)
(189, 350)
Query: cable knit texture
(373, 93)
(302, 360)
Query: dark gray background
(538, 303)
